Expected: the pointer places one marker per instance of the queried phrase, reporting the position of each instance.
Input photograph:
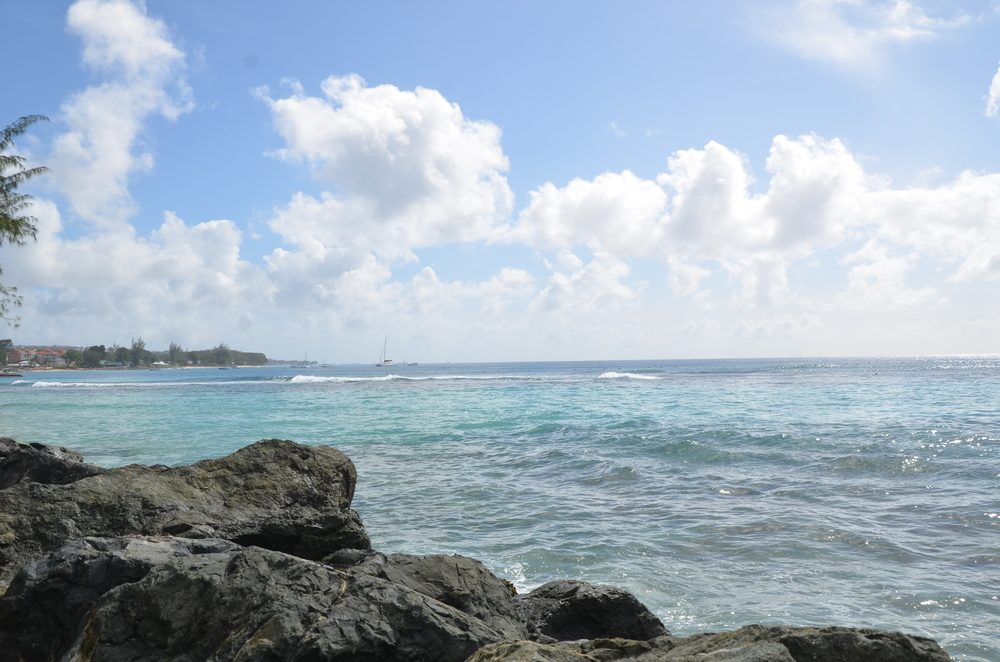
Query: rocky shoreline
(258, 556)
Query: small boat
(383, 362)
(10, 374)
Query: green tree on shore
(137, 353)
(221, 355)
(16, 227)
(176, 353)
(93, 355)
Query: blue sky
(521, 180)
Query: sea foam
(626, 375)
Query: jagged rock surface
(274, 494)
(40, 463)
(566, 610)
(753, 643)
(457, 581)
(42, 611)
(187, 600)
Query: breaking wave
(626, 375)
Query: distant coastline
(118, 357)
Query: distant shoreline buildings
(118, 357)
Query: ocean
(859, 492)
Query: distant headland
(27, 357)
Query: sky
(559, 180)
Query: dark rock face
(44, 606)
(175, 599)
(753, 643)
(274, 494)
(567, 610)
(456, 581)
(39, 463)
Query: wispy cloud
(617, 130)
(850, 32)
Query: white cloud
(703, 210)
(850, 32)
(993, 99)
(406, 170)
(184, 281)
(711, 208)
(93, 159)
(876, 282)
(579, 287)
(619, 211)
(120, 38)
(957, 222)
(407, 167)
(685, 279)
(619, 131)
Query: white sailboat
(384, 362)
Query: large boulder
(753, 643)
(275, 494)
(188, 600)
(457, 581)
(566, 610)
(41, 613)
(41, 463)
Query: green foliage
(137, 353)
(5, 345)
(93, 356)
(175, 354)
(16, 227)
(220, 354)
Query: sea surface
(721, 493)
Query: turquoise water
(806, 491)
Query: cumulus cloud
(850, 32)
(582, 287)
(187, 280)
(407, 169)
(957, 222)
(619, 210)
(993, 98)
(703, 208)
(143, 75)
(703, 211)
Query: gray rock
(274, 494)
(529, 651)
(457, 581)
(40, 463)
(258, 605)
(567, 610)
(753, 643)
(821, 644)
(47, 600)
